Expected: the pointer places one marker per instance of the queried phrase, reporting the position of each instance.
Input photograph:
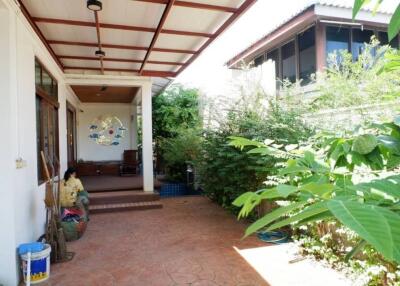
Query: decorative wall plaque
(107, 130)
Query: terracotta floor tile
(188, 242)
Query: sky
(208, 72)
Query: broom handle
(58, 169)
(46, 170)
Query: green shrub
(176, 114)
(179, 151)
(351, 181)
(347, 82)
(226, 172)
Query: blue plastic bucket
(40, 265)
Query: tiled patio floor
(188, 242)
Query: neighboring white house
(299, 46)
(62, 66)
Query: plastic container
(40, 265)
(173, 190)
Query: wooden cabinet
(92, 168)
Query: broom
(54, 234)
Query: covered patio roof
(157, 38)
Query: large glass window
(259, 60)
(289, 62)
(38, 74)
(384, 40)
(360, 38)
(337, 39)
(274, 57)
(46, 117)
(45, 82)
(307, 54)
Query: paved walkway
(188, 242)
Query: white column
(8, 258)
(134, 127)
(147, 138)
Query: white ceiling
(185, 17)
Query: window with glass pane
(38, 137)
(259, 60)
(337, 39)
(54, 90)
(395, 42)
(307, 54)
(384, 40)
(47, 82)
(46, 117)
(360, 38)
(274, 57)
(38, 74)
(289, 62)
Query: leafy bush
(226, 172)
(179, 151)
(174, 109)
(350, 180)
(176, 114)
(347, 83)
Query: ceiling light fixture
(100, 53)
(94, 5)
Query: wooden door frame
(72, 109)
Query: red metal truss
(195, 5)
(119, 27)
(39, 33)
(121, 47)
(246, 5)
(144, 73)
(106, 59)
(164, 17)
(236, 12)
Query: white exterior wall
(88, 149)
(22, 213)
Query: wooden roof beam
(164, 17)
(29, 18)
(244, 7)
(121, 47)
(106, 59)
(119, 27)
(195, 5)
(152, 73)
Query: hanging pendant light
(94, 5)
(100, 53)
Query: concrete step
(119, 197)
(109, 208)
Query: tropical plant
(394, 25)
(176, 111)
(347, 83)
(179, 151)
(225, 172)
(393, 30)
(345, 179)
